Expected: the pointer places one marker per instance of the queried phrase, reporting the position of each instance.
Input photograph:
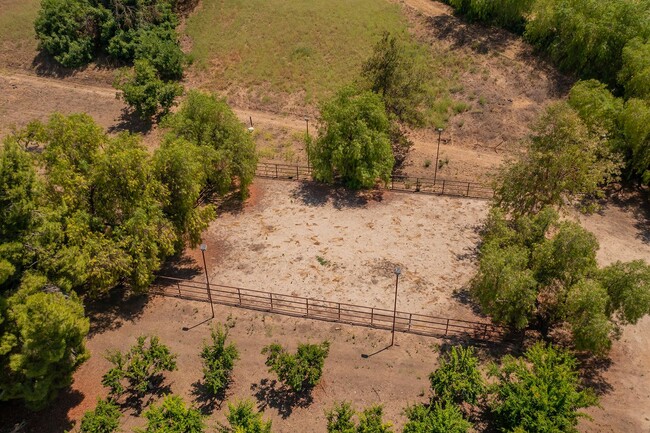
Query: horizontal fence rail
(397, 183)
(298, 306)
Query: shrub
(439, 418)
(145, 92)
(173, 417)
(353, 142)
(300, 371)
(67, 29)
(105, 418)
(339, 420)
(162, 51)
(140, 367)
(244, 419)
(218, 361)
(458, 379)
(539, 393)
(505, 13)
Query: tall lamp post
(398, 271)
(307, 140)
(435, 172)
(204, 247)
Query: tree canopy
(353, 142)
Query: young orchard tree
(105, 418)
(539, 393)
(218, 362)
(141, 368)
(226, 148)
(145, 91)
(437, 418)
(172, 416)
(353, 142)
(458, 379)
(397, 71)
(339, 420)
(299, 371)
(563, 162)
(243, 418)
(43, 341)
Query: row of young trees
(539, 392)
(606, 43)
(82, 212)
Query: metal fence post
(467, 189)
(179, 289)
(339, 311)
(410, 318)
(447, 327)
(417, 184)
(307, 303)
(271, 298)
(239, 294)
(297, 173)
(372, 316)
(276, 171)
(443, 188)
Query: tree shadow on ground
(111, 311)
(318, 194)
(137, 402)
(592, 370)
(485, 39)
(180, 266)
(269, 393)
(46, 66)
(635, 201)
(205, 400)
(132, 122)
(487, 351)
(17, 418)
(464, 296)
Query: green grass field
(313, 46)
(17, 26)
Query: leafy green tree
(635, 71)
(227, 148)
(145, 91)
(370, 421)
(105, 418)
(596, 105)
(635, 130)
(172, 416)
(585, 36)
(536, 271)
(128, 20)
(162, 50)
(628, 290)
(42, 342)
(339, 419)
(398, 72)
(141, 367)
(243, 418)
(179, 168)
(353, 141)
(66, 29)
(458, 380)
(563, 162)
(299, 371)
(218, 362)
(438, 418)
(538, 393)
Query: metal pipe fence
(298, 306)
(397, 183)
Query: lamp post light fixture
(251, 128)
(204, 247)
(435, 172)
(398, 271)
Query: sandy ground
(276, 244)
